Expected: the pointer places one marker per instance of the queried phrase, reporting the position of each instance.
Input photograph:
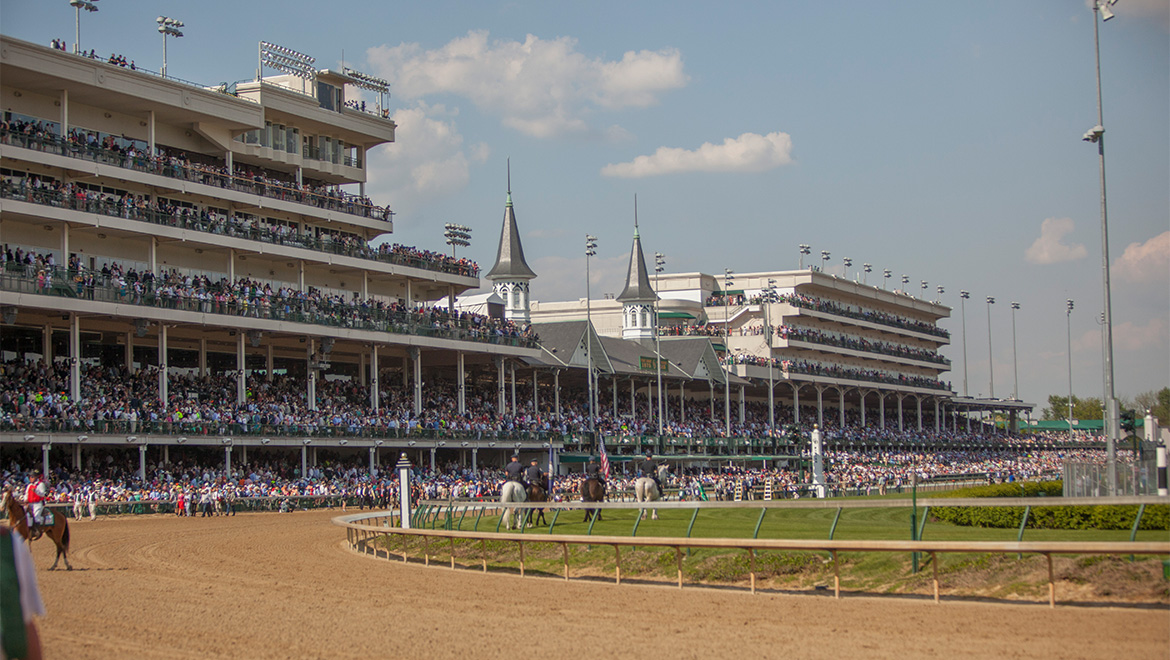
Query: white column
(74, 357)
(900, 425)
(841, 404)
(820, 406)
(795, 401)
(65, 245)
(919, 401)
(416, 356)
(228, 161)
(513, 372)
(501, 402)
(882, 408)
(154, 255)
(409, 294)
(142, 462)
(241, 365)
(474, 459)
(365, 285)
(45, 458)
(312, 380)
(65, 110)
(742, 404)
(163, 370)
(373, 462)
(150, 131)
(861, 403)
(375, 400)
(231, 265)
(301, 275)
(304, 461)
(461, 376)
(227, 461)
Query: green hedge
(1156, 516)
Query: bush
(1156, 517)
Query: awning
(675, 315)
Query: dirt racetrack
(286, 586)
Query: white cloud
(1147, 262)
(427, 160)
(1049, 248)
(539, 87)
(749, 152)
(561, 278)
(1129, 336)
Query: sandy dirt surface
(287, 586)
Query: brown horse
(59, 532)
(592, 490)
(536, 493)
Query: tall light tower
(1015, 365)
(868, 268)
(728, 280)
(925, 286)
(805, 249)
(990, 355)
(659, 266)
(590, 251)
(886, 274)
(824, 259)
(941, 291)
(168, 27)
(1097, 135)
(963, 296)
(78, 5)
(1068, 321)
(848, 262)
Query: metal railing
(325, 312)
(210, 176)
(372, 533)
(204, 222)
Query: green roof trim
(675, 315)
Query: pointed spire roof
(638, 287)
(510, 263)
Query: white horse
(645, 490)
(512, 491)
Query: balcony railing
(234, 228)
(323, 311)
(210, 176)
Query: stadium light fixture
(286, 60)
(457, 236)
(990, 353)
(848, 262)
(1015, 368)
(963, 296)
(78, 5)
(728, 280)
(867, 268)
(590, 380)
(824, 259)
(168, 27)
(886, 275)
(1068, 306)
(659, 266)
(804, 250)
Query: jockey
(513, 470)
(34, 497)
(649, 468)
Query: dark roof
(638, 287)
(510, 263)
(561, 339)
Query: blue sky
(940, 140)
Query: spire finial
(509, 176)
(635, 215)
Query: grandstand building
(202, 235)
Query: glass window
(325, 95)
(292, 140)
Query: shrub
(1156, 517)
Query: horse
(592, 490)
(59, 531)
(645, 490)
(512, 491)
(536, 493)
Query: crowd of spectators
(180, 164)
(172, 289)
(811, 367)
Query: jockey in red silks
(34, 497)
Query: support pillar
(501, 401)
(227, 461)
(373, 462)
(154, 255)
(861, 394)
(937, 417)
(47, 345)
(74, 357)
(882, 408)
(901, 426)
(841, 405)
(163, 369)
(65, 107)
(231, 263)
(77, 456)
(461, 376)
(244, 455)
(682, 402)
(312, 364)
(633, 400)
(820, 406)
(375, 398)
(512, 371)
(742, 405)
(150, 131)
(202, 358)
(65, 245)
(416, 358)
(795, 400)
(141, 461)
(241, 365)
(268, 362)
(166, 454)
(129, 357)
(45, 458)
(474, 459)
(304, 461)
(919, 402)
(535, 393)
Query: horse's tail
(65, 535)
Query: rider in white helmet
(34, 496)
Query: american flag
(604, 458)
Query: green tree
(1057, 409)
(1156, 401)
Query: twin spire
(510, 264)
(638, 287)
